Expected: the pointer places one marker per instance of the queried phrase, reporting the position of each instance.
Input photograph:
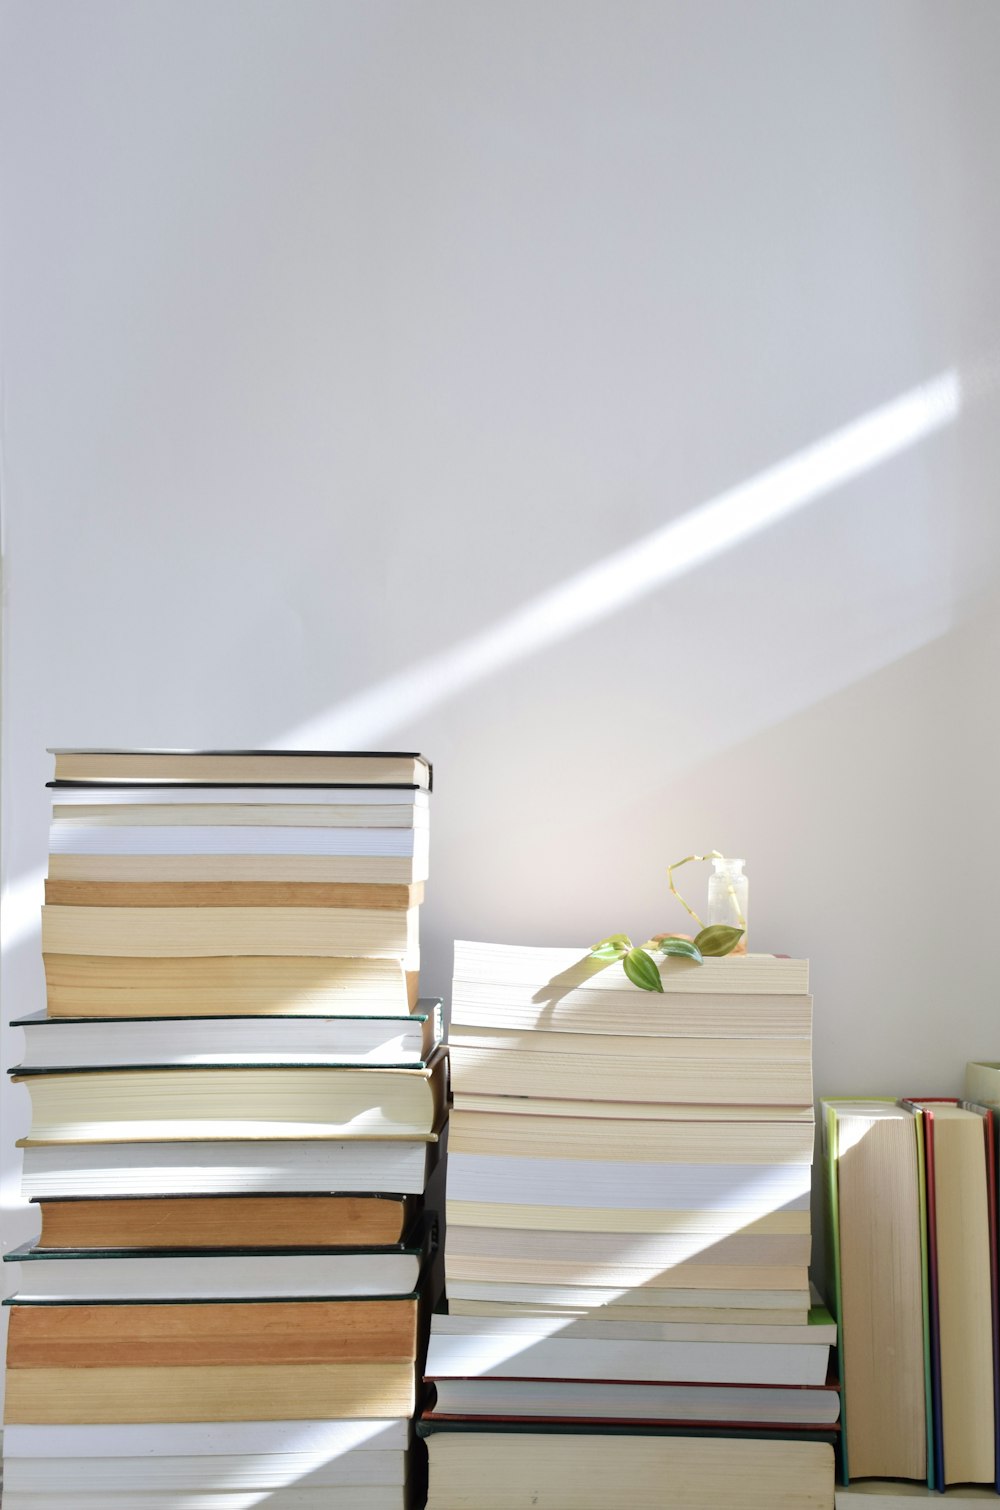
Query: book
(120, 1274)
(475, 1347)
(751, 1190)
(171, 932)
(586, 1467)
(226, 1166)
(269, 869)
(877, 1264)
(117, 1479)
(961, 1244)
(637, 1111)
(602, 1068)
(818, 1330)
(252, 767)
(234, 985)
(75, 837)
(676, 1252)
(321, 1441)
(338, 894)
(196, 1221)
(553, 972)
(554, 1296)
(89, 1042)
(102, 796)
(733, 1014)
(208, 1392)
(631, 1140)
(174, 1102)
(602, 1400)
(224, 1332)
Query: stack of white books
(236, 1102)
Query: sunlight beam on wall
(639, 568)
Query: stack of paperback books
(236, 1101)
(628, 1240)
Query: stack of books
(236, 1101)
(629, 1238)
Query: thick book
(525, 1135)
(552, 972)
(245, 767)
(208, 1392)
(89, 1042)
(341, 1497)
(229, 1167)
(217, 1221)
(677, 1253)
(483, 1005)
(175, 1103)
(711, 1303)
(475, 1347)
(121, 1274)
(586, 1467)
(608, 1400)
(76, 837)
(322, 807)
(338, 894)
(321, 1441)
(962, 1270)
(646, 1071)
(81, 985)
(270, 869)
(877, 1266)
(183, 932)
(117, 1335)
(568, 1304)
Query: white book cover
(73, 837)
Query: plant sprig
(640, 966)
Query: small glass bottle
(727, 897)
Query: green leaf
(641, 970)
(615, 946)
(718, 940)
(683, 948)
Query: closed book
(183, 932)
(584, 1009)
(221, 1476)
(228, 1166)
(77, 837)
(264, 869)
(961, 1243)
(749, 1190)
(472, 1347)
(555, 1467)
(81, 985)
(233, 1101)
(700, 1141)
(117, 1335)
(553, 972)
(213, 1221)
(341, 1497)
(120, 1274)
(232, 894)
(606, 1069)
(603, 1400)
(877, 1267)
(245, 767)
(707, 1302)
(90, 1042)
(322, 1441)
(71, 797)
(676, 1252)
(210, 1392)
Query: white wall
(337, 335)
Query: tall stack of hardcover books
(628, 1240)
(236, 1099)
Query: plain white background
(337, 337)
